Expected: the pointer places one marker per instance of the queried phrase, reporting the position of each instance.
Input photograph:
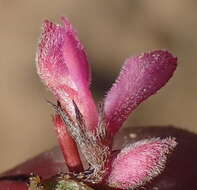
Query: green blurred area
(111, 31)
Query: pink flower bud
(62, 65)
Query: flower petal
(140, 77)
(68, 145)
(140, 162)
(62, 65)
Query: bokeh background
(111, 30)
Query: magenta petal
(62, 65)
(140, 77)
(75, 57)
(140, 162)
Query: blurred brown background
(111, 30)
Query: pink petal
(68, 146)
(140, 162)
(62, 65)
(140, 77)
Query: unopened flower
(63, 66)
